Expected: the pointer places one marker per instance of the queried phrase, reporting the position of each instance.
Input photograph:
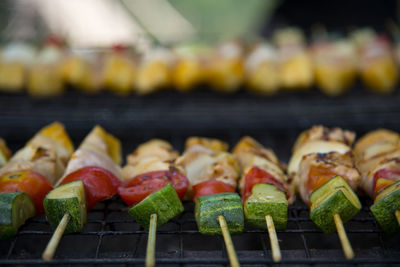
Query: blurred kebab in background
(296, 68)
(377, 66)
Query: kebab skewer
(323, 170)
(15, 62)
(213, 175)
(262, 69)
(93, 174)
(30, 174)
(119, 70)
(378, 159)
(153, 187)
(335, 65)
(265, 190)
(296, 68)
(377, 63)
(225, 70)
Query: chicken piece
(262, 70)
(321, 133)
(296, 68)
(99, 149)
(376, 151)
(201, 163)
(46, 153)
(249, 153)
(154, 155)
(225, 68)
(210, 143)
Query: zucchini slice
(384, 207)
(266, 199)
(208, 208)
(15, 209)
(67, 198)
(335, 196)
(165, 203)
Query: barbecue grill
(111, 237)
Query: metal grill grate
(112, 237)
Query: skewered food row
(156, 178)
(287, 63)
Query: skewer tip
(276, 251)
(347, 249)
(56, 237)
(151, 242)
(228, 242)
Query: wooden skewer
(397, 214)
(151, 242)
(276, 251)
(55, 239)
(228, 242)
(347, 249)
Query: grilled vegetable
(384, 207)
(266, 199)
(100, 184)
(334, 197)
(209, 207)
(15, 209)
(211, 187)
(30, 182)
(164, 202)
(139, 187)
(68, 198)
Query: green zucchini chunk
(67, 198)
(266, 199)
(208, 208)
(165, 203)
(384, 207)
(335, 196)
(15, 209)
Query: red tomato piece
(100, 184)
(259, 176)
(139, 187)
(211, 187)
(34, 184)
(385, 174)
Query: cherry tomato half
(139, 187)
(385, 177)
(259, 176)
(211, 187)
(100, 184)
(30, 182)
